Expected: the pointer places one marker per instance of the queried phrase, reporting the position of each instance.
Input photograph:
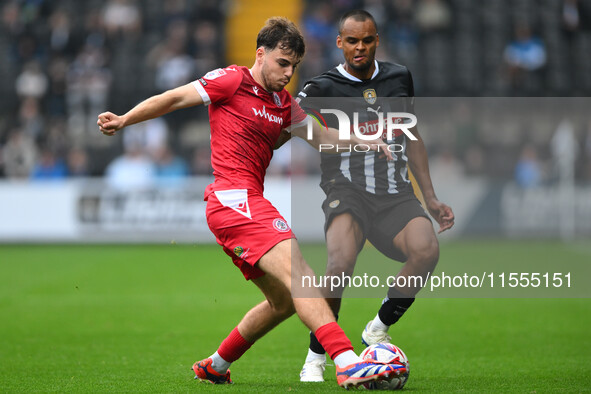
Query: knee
(283, 308)
(341, 262)
(425, 252)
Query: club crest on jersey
(215, 74)
(370, 96)
(276, 99)
(280, 225)
(334, 204)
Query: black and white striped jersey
(390, 89)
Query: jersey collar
(341, 69)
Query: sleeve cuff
(202, 92)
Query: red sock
(333, 339)
(233, 347)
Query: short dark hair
(283, 33)
(359, 16)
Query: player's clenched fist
(109, 123)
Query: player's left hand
(442, 213)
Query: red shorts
(247, 225)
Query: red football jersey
(245, 122)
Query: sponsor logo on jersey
(370, 96)
(276, 99)
(375, 111)
(280, 225)
(238, 250)
(255, 90)
(215, 74)
(334, 204)
(270, 117)
(202, 81)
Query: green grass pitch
(79, 318)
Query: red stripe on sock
(233, 347)
(333, 339)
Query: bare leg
(285, 262)
(418, 242)
(344, 241)
(277, 307)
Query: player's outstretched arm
(419, 165)
(328, 140)
(161, 104)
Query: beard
(362, 67)
(273, 86)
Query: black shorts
(381, 217)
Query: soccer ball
(387, 353)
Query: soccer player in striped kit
(368, 197)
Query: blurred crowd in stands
(65, 61)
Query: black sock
(315, 346)
(393, 309)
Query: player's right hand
(109, 123)
(381, 148)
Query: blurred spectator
(526, 52)
(77, 162)
(170, 169)
(11, 18)
(27, 49)
(94, 29)
(209, 10)
(122, 17)
(378, 9)
(32, 82)
(19, 155)
(565, 149)
(528, 171)
(174, 67)
(433, 16)
(54, 136)
(30, 118)
(56, 98)
(60, 36)
(49, 167)
(150, 136)
(319, 22)
(88, 83)
(402, 34)
(173, 11)
(319, 27)
(134, 170)
(570, 15)
(525, 57)
(205, 46)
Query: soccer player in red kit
(249, 109)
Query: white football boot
(313, 371)
(371, 337)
